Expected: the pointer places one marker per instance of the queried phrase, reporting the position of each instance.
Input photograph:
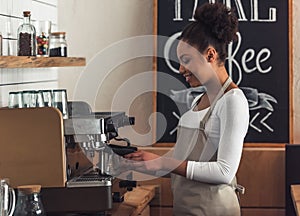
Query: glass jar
(7, 198)
(58, 44)
(29, 98)
(43, 29)
(26, 37)
(29, 201)
(15, 100)
(48, 97)
(60, 101)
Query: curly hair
(215, 25)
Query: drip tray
(92, 179)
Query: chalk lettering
(248, 56)
(254, 9)
(255, 15)
(177, 11)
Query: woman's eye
(185, 60)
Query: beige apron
(194, 197)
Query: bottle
(29, 201)
(58, 44)
(26, 37)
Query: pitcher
(7, 199)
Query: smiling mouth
(187, 76)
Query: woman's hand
(145, 160)
(141, 156)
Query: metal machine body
(91, 185)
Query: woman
(210, 135)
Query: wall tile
(13, 47)
(3, 21)
(3, 8)
(38, 74)
(43, 12)
(38, 86)
(9, 25)
(51, 2)
(19, 6)
(4, 90)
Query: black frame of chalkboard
(289, 65)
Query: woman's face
(193, 65)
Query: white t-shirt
(226, 129)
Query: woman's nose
(181, 69)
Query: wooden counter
(295, 191)
(136, 202)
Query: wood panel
(262, 212)
(167, 211)
(161, 211)
(262, 173)
(292, 175)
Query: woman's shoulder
(234, 94)
(233, 98)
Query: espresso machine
(73, 159)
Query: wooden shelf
(37, 62)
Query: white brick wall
(11, 12)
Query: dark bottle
(26, 37)
(29, 201)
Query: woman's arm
(152, 162)
(233, 115)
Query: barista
(210, 135)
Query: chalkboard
(258, 62)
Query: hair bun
(219, 20)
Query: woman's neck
(214, 85)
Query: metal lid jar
(58, 44)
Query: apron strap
(213, 104)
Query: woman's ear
(211, 54)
